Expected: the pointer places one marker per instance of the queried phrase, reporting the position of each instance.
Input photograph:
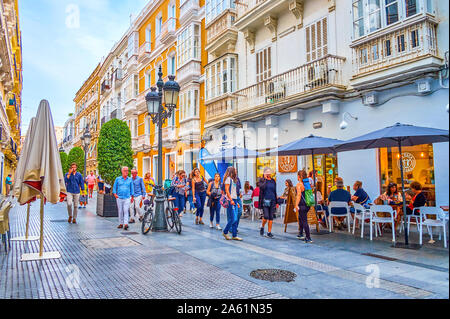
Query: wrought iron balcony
(311, 79)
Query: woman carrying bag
(214, 192)
(302, 208)
(268, 201)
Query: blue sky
(60, 51)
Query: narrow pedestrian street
(100, 261)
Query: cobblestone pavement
(99, 261)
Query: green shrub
(114, 150)
(76, 155)
(64, 162)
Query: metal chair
(361, 214)
(439, 220)
(254, 209)
(375, 219)
(331, 214)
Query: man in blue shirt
(340, 195)
(74, 182)
(138, 194)
(123, 191)
(8, 183)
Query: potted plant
(114, 151)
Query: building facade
(303, 67)
(10, 88)
(258, 74)
(87, 115)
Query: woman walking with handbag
(215, 192)
(268, 201)
(302, 208)
(230, 201)
(199, 194)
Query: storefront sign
(409, 162)
(287, 164)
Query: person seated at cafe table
(339, 195)
(418, 200)
(360, 196)
(392, 195)
(321, 207)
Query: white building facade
(303, 66)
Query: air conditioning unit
(317, 75)
(275, 90)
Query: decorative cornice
(331, 5)
(271, 23)
(296, 7)
(250, 38)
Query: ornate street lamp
(159, 114)
(86, 142)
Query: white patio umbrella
(43, 172)
(17, 189)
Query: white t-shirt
(233, 193)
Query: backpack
(224, 201)
(168, 187)
(309, 198)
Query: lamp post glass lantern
(159, 113)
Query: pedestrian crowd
(227, 192)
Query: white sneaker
(218, 227)
(211, 225)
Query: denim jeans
(200, 198)
(180, 202)
(190, 199)
(240, 210)
(215, 210)
(233, 220)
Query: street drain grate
(273, 275)
(113, 242)
(130, 233)
(380, 257)
(59, 221)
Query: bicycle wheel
(177, 222)
(169, 217)
(147, 222)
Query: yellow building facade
(10, 88)
(87, 115)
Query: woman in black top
(268, 201)
(199, 183)
(418, 200)
(302, 208)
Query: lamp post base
(159, 222)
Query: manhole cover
(105, 243)
(273, 275)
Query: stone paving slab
(120, 272)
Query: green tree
(76, 155)
(114, 150)
(64, 159)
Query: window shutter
(308, 44)
(313, 42)
(325, 36)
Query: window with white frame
(221, 77)
(136, 85)
(372, 15)
(132, 44)
(148, 37)
(148, 121)
(214, 8)
(171, 65)
(189, 104)
(316, 40)
(172, 16)
(148, 79)
(158, 26)
(263, 64)
(188, 44)
(135, 127)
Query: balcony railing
(245, 6)
(399, 46)
(168, 30)
(188, 7)
(220, 26)
(319, 74)
(144, 51)
(189, 72)
(106, 86)
(220, 109)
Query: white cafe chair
(440, 220)
(255, 210)
(375, 219)
(361, 213)
(331, 214)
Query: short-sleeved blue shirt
(363, 198)
(340, 195)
